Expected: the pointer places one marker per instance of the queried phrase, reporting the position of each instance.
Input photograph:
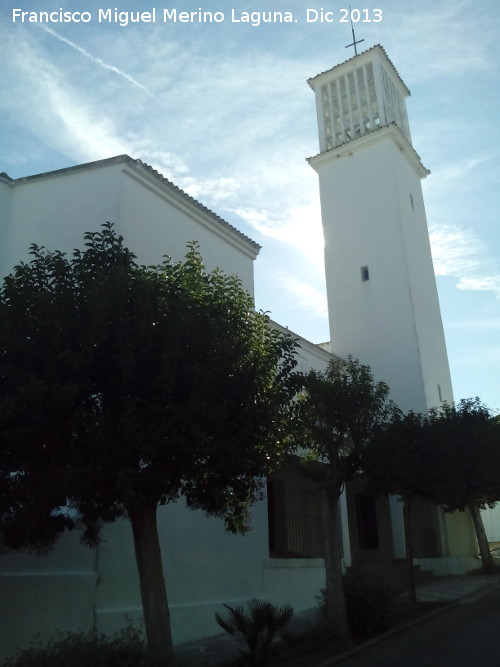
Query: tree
(398, 462)
(338, 411)
(464, 440)
(450, 456)
(127, 387)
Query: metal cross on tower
(354, 42)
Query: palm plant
(257, 625)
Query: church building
(383, 310)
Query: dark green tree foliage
(128, 387)
(338, 413)
(467, 439)
(397, 461)
(400, 462)
(451, 456)
(465, 442)
(38, 396)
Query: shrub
(370, 605)
(369, 602)
(78, 649)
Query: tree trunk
(336, 611)
(409, 551)
(482, 541)
(153, 590)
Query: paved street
(464, 635)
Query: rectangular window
(291, 534)
(365, 274)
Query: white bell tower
(382, 297)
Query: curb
(469, 598)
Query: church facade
(383, 310)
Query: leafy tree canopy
(450, 456)
(465, 440)
(126, 386)
(399, 461)
(339, 410)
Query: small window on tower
(365, 274)
(411, 201)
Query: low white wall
(42, 594)
(491, 520)
(448, 566)
(294, 580)
(77, 588)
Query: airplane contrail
(98, 61)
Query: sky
(223, 109)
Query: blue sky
(224, 110)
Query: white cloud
(481, 284)
(303, 295)
(202, 105)
(458, 253)
(217, 190)
(440, 37)
(455, 251)
(70, 117)
(483, 324)
(299, 226)
(167, 164)
(53, 109)
(453, 174)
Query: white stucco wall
(5, 202)
(39, 594)
(491, 520)
(56, 209)
(77, 588)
